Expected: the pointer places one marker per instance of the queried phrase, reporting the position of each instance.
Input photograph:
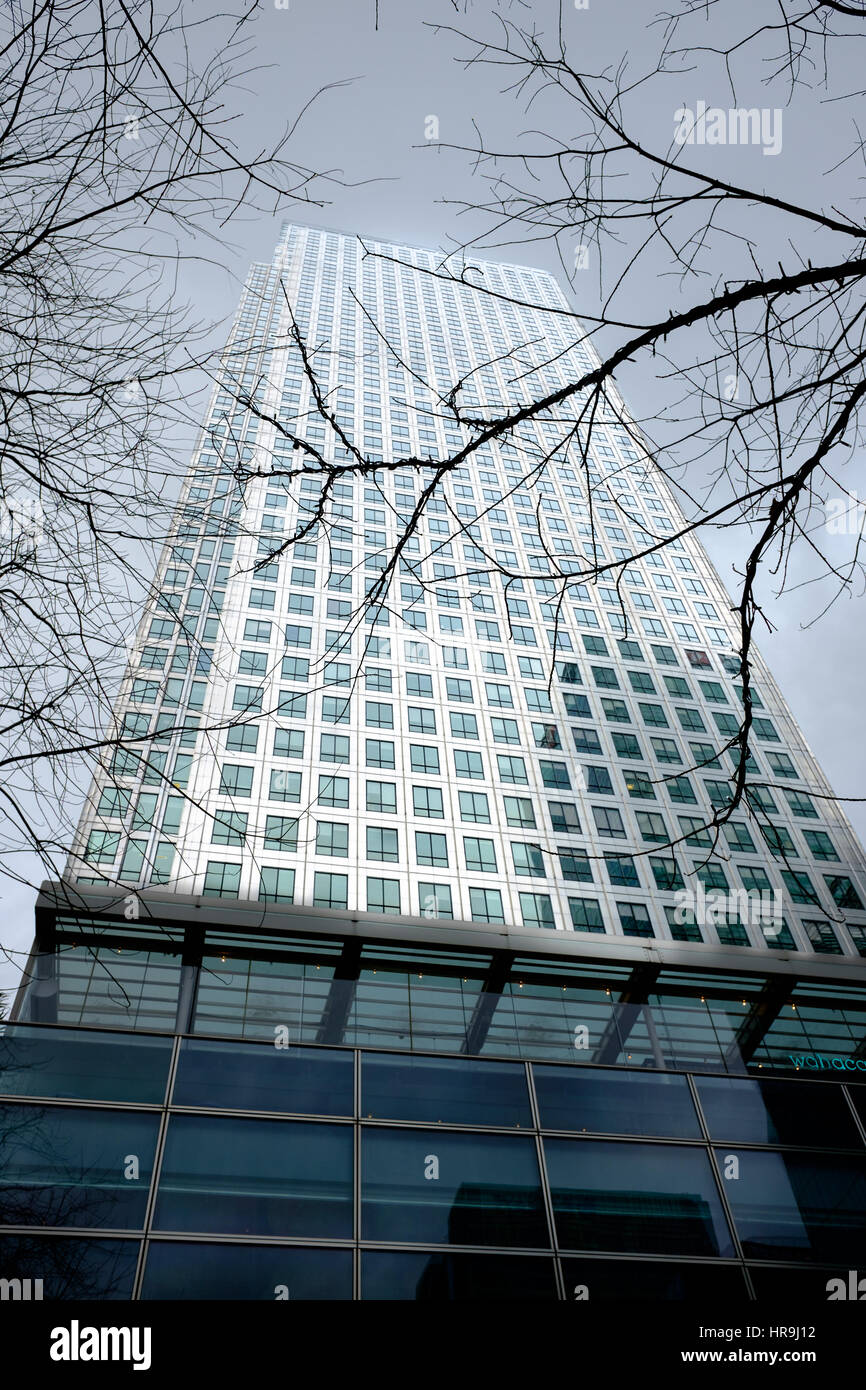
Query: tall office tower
(395, 912)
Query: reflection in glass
(61, 1166)
(177, 1270)
(260, 1076)
(615, 1102)
(658, 1198)
(71, 1268)
(793, 1206)
(256, 1177)
(443, 1277)
(74, 1064)
(444, 1091)
(777, 1112)
(451, 1189)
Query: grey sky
(400, 187)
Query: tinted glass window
(793, 1206)
(657, 1198)
(451, 1189)
(67, 1167)
(610, 1102)
(446, 1278)
(269, 1272)
(71, 1268)
(777, 1112)
(255, 1076)
(73, 1064)
(444, 1091)
(274, 1177)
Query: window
(536, 910)
(235, 780)
(276, 885)
(288, 743)
(383, 895)
(634, 919)
(639, 786)
(653, 716)
(504, 730)
(247, 697)
(781, 764)
(575, 866)
(554, 774)
(295, 668)
(382, 798)
(377, 678)
(800, 887)
(418, 685)
(691, 720)
(608, 822)
(512, 769)
(801, 804)
(666, 874)
(382, 843)
(221, 880)
(102, 846)
(379, 716)
(379, 753)
(421, 720)
(423, 759)
(458, 690)
(499, 696)
(334, 748)
(431, 850)
(284, 786)
(335, 710)
(528, 860)
(473, 806)
(820, 844)
(463, 725)
(281, 832)
(626, 745)
(485, 905)
(598, 780)
(621, 871)
(586, 741)
(242, 739)
(519, 812)
(434, 900)
(467, 764)
(779, 840)
(480, 855)
(586, 914)
(822, 938)
(616, 711)
(680, 791)
(711, 875)
(843, 891)
(537, 701)
(738, 837)
(331, 890)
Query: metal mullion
(720, 1184)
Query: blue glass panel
(445, 1278)
(651, 1281)
(71, 1268)
(451, 1189)
(258, 1076)
(75, 1064)
(442, 1090)
(256, 1177)
(777, 1112)
(794, 1206)
(62, 1166)
(657, 1198)
(176, 1270)
(615, 1102)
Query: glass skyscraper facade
(395, 956)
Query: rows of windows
(714, 1169)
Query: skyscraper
(401, 789)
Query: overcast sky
(398, 186)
